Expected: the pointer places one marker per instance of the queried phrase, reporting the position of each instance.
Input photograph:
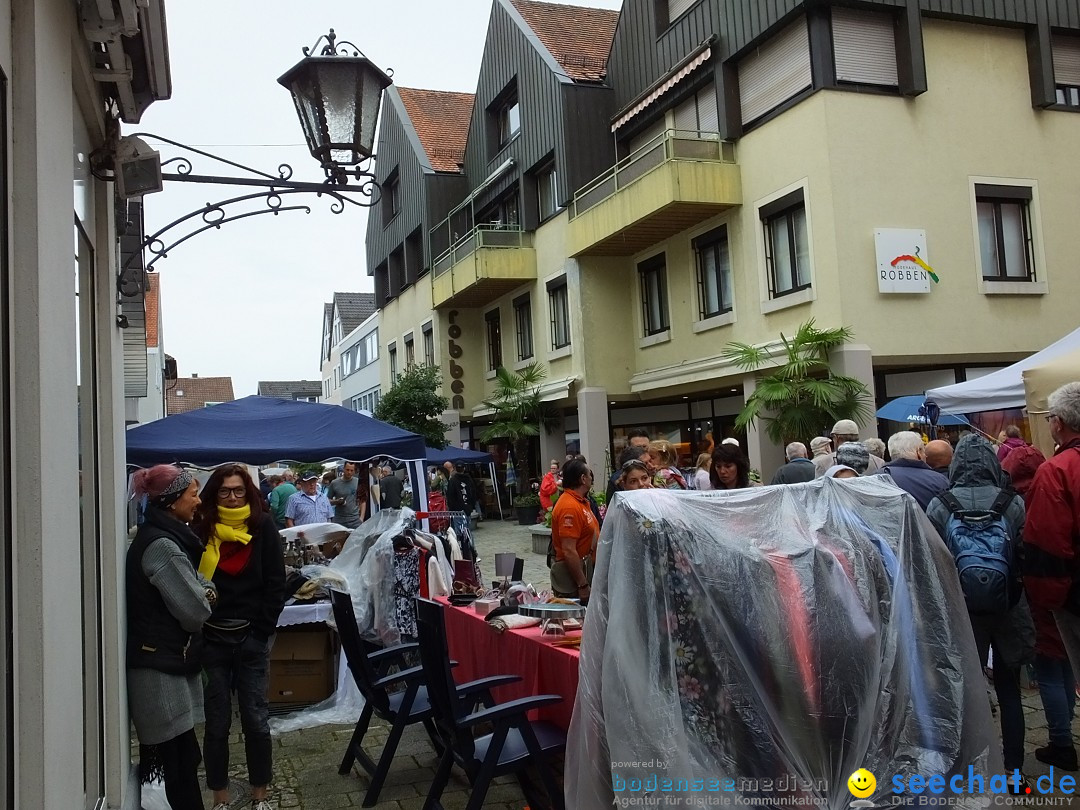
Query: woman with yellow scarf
(243, 559)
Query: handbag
(226, 632)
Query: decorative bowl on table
(552, 616)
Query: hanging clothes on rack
(406, 584)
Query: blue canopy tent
(906, 409)
(458, 455)
(262, 430)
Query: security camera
(137, 168)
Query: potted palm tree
(518, 416)
(799, 397)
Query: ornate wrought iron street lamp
(337, 99)
(337, 95)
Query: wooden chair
(514, 743)
(370, 667)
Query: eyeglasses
(1050, 416)
(236, 492)
(634, 464)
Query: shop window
(713, 255)
(523, 327)
(559, 312)
(1006, 250)
(652, 275)
(493, 327)
(787, 252)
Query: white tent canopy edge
(1003, 388)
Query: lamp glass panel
(339, 82)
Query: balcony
(673, 182)
(489, 261)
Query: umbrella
(907, 409)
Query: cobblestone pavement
(306, 761)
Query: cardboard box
(302, 664)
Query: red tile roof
(152, 303)
(441, 120)
(578, 38)
(189, 393)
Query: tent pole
(419, 485)
(495, 486)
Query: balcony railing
(672, 144)
(491, 235)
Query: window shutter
(686, 115)
(655, 129)
(778, 70)
(708, 115)
(864, 47)
(676, 8)
(1066, 59)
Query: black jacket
(390, 488)
(155, 638)
(460, 493)
(257, 592)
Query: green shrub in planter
(528, 499)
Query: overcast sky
(246, 301)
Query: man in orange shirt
(574, 531)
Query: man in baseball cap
(308, 505)
(845, 430)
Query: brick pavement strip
(306, 761)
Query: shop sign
(902, 265)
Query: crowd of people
(205, 576)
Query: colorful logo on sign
(907, 257)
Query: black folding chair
(370, 667)
(514, 743)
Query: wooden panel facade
(396, 156)
(646, 47)
(558, 117)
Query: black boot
(1060, 756)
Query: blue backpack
(980, 543)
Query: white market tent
(1003, 388)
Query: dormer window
(504, 118)
(391, 197)
(509, 121)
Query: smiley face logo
(862, 783)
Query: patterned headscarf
(171, 494)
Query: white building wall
(152, 406)
(365, 379)
(331, 377)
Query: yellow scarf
(232, 528)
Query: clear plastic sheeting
(366, 565)
(761, 645)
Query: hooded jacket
(1008, 446)
(975, 479)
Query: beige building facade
(796, 211)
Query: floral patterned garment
(406, 588)
(669, 478)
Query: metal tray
(547, 611)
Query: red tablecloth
(545, 670)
